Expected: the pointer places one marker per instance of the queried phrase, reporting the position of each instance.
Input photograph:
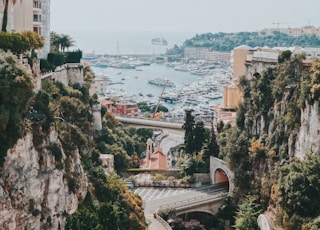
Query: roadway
(163, 198)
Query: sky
(198, 16)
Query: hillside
(51, 176)
(274, 150)
(227, 41)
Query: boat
(159, 41)
(99, 64)
(161, 82)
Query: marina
(179, 90)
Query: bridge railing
(149, 122)
(204, 199)
(162, 221)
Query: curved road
(163, 198)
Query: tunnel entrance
(220, 176)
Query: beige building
(203, 53)
(294, 31)
(33, 15)
(238, 58)
(232, 96)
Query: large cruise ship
(159, 41)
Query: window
(37, 18)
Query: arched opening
(257, 75)
(220, 176)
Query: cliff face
(35, 191)
(307, 140)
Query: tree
(199, 136)
(60, 42)
(247, 214)
(35, 40)
(213, 146)
(65, 42)
(299, 187)
(5, 15)
(188, 127)
(15, 94)
(14, 42)
(54, 41)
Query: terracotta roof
(106, 102)
(157, 161)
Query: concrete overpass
(210, 200)
(152, 123)
(209, 204)
(149, 122)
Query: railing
(46, 75)
(163, 222)
(148, 122)
(189, 203)
(36, 5)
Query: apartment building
(295, 31)
(195, 53)
(33, 15)
(203, 53)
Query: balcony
(37, 4)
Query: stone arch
(220, 176)
(220, 171)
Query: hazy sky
(199, 16)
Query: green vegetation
(60, 42)
(257, 149)
(19, 43)
(199, 144)
(246, 216)
(15, 95)
(58, 55)
(108, 204)
(227, 41)
(299, 186)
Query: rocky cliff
(307, 140)
(37, 191)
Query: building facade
(294, 31)
(203, 53)
(32, 15)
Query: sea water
(132, 82)
(127, 42)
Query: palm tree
(54, 41)
(65, 42)
(5, 14)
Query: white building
(32, 15)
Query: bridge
(209, 202)
(152, 123)
(149, 122)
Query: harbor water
(133, 85)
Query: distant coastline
(121, 42)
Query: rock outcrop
(307, 140)
(37, 191)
